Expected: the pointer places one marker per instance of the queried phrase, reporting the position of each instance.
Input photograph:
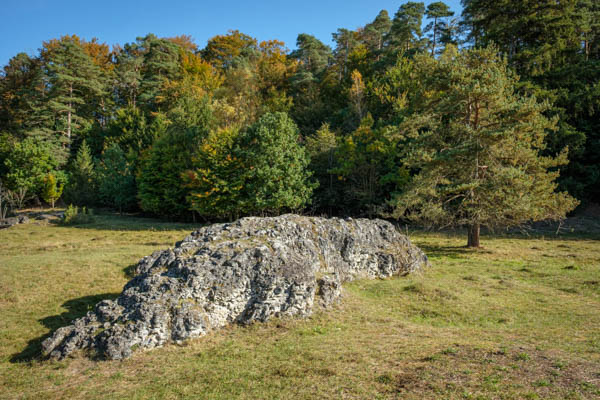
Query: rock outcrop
(12, 221)
(249, 270)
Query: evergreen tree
(161, 63)
(476, 146)
(81, 187)
(309, 109)
(22, 92)
(375, 33)
(345, 41)
(436, 11)
(536, 35)
(116, 181)
(406, 34)
(162, 189)
(75, 81)
(128, 74)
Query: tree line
(487, 118)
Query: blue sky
(26, 23)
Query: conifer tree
(74, 82)
(81, 187)
(161, 63)
(436, 11)
(374, 33)
(406, 34)
(476, 146)
(116, 182)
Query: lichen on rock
(249, 270)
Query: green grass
(518, 319)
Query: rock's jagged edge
(240, 272)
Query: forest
(488, 118)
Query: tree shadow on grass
(76, 308)
(433, 251)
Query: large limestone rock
(241, 272)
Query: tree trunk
(473, 240)
(434, 36)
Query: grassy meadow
(517, 319)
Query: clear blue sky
(26, 23)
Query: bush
(75, 216)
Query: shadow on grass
(129, 271)
(131, 223)
(444, 251)
(76, 308)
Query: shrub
(75, 216)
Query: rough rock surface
(249, 270)
(12, 221)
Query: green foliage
(276, 176)
(368, 166)
(476, 146)
(437, 11)
(405, 34)
(76, 84)
(130, 131)
(76, 216)
(321, 148)
(161, 189)
(81, 187)
(224, 50)
(116, 181)
(217, 177)
(161, 64)
(169, 92)
(27, 164)
(51, 190)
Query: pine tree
(476, 146)
(375, 33)
(128, 74)
(75, 81)
(436, 11)
(345, 41)
(161, 63)
(406, 34)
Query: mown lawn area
(518, 319)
